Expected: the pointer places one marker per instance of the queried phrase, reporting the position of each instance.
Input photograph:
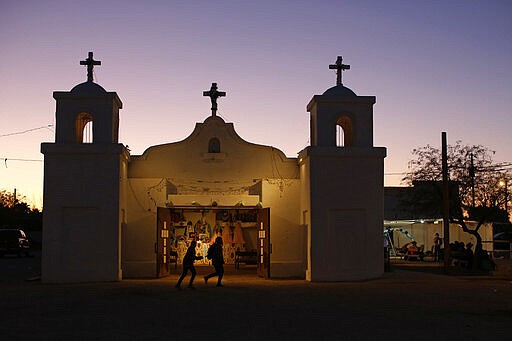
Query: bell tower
(85, 172)
(343, 186)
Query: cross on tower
(90, 62)
(339, 67)
(214, 94)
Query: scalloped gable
(190, 158)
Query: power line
(5, 159)
(10, 159)
(28, 130)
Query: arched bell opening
(84, 128)
(344, 132)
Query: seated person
(413, 250)
(413, 247)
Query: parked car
(14, 241)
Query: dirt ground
(411, 301)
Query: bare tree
(479, 196)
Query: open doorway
(245, 232)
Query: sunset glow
(433, 66)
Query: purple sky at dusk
(433, 66)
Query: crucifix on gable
(214, 94)
(339, 67)
(90, 62)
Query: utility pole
(506, 196)
(446, 202)
(472, 176)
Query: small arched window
(214, 145)
(344, 132)
(84, 128)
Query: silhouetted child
(188, 264)
(217, 258)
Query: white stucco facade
(101, 204)
(184, 173)
(84, 189)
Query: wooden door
(264, 246)
(162, 246)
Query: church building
(109, 215)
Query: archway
(84, 128)
(344, 132)
(245, 231)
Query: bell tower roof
(339, 90)
(339, 117)
(87, 104)
(88, 88)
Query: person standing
(188, 264)
(217, 258)
(437, 247)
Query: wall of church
(238, 161)
(305, 206)
(186, 173)
(81, 222)
(346, 213)
(287, 235)
(123, 205)
(139, 233)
